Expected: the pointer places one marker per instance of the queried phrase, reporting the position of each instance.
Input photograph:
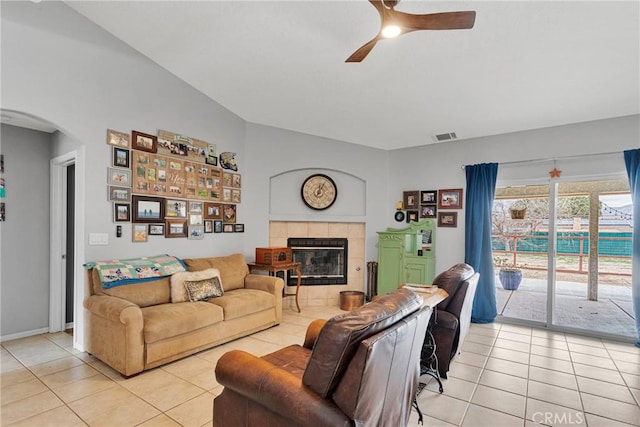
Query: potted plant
(510, 274)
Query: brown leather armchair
(360, 368)
(452, 317)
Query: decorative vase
(510, 279)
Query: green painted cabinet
(406, 255)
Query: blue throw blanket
(135, 270)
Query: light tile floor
(506, 375)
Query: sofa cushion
(202, 290)
(450, 279)
(233, 269)
(142, 294)
(241, 302)
(341, 335)
(178, 288)
(169, 320)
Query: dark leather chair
(453, 314)
(360, 368)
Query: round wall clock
(319, 191)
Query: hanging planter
(518, 213)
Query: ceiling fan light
(391, 31)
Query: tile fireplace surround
(320, 295)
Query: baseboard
(24, 334)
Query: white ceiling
(525, 64)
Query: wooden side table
(273, 269)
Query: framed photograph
(140, 233)
(236, 195)
(236, 180)
(229, 213)
(175, 228)
(238, 228)
(148, 209)
(196, 232)
(226, 194)
(227, 228)
(176, 208)
(429, 197)
(447, 219)
(118, 139)
(217, 226)
(144, 142)
(120, 158)
(119, 194)
(118, 176)
(212, 210)
(196, 207)
(211, 160)
(121, 212)
(208, 226)
(412, 216)
(156, 229)
(450, 199)
(399, 216)
(428, 211)
(227, 179)
(195, 219)
(410, 199)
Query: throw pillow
(202, 290)
(178, 288)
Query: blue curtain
(481, 188)
(632, 161)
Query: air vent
(445, 137)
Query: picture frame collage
(430, 204)
(170, 185)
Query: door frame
(57, 245)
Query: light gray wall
(24, 280)
(60, 67)
(274, 154)
(439, 166)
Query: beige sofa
(136, 327)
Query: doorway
(69, 245)
(66, 245)
(571, 241)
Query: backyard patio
(612, 313)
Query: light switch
(98, 239)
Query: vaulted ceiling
(524, 65)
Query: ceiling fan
(394, 23)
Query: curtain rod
(553, 159)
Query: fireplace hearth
(323, 261)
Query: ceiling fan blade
(363, 51)
(437, 21)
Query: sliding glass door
(593, 258)
(571, 242)
(520, 229)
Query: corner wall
(24, 236)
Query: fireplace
(323, 261)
